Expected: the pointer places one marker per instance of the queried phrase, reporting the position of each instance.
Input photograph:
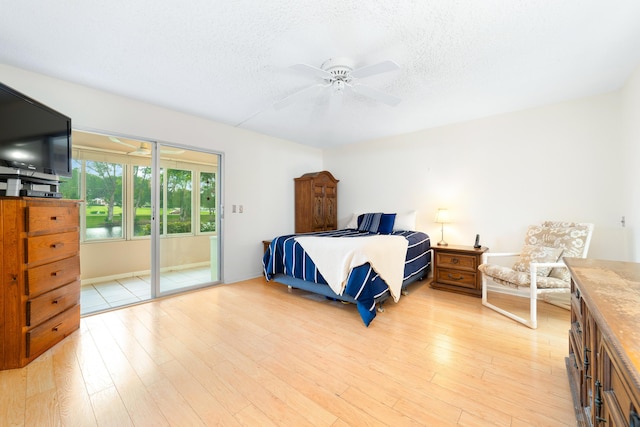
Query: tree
(106, 184)
(70, 187)
(208, 193)
(179, 191)
(142, 186)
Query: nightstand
(456, 269)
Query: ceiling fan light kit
(339, 75)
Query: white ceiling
(229, 60)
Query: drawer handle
(57, 245)
(454, 260)
(586, 363)
(598, 402)
(55, 273)
(55, 301)
(55, 328)
(54, 218)
(460, 277)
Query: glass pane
(104, 200)
(142, 200)
(110, 174)
(178, 201)
(207, 202)
(70, 187)
(189, 249)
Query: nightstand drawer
(456, 261)
(456, 277)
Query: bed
(362, 265)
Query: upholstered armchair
(538, 270)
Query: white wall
(631, 177)
(498, 175)
(570, 161)
(258, 171)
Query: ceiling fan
(143, 149)
(339, 75)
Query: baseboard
(128, 275)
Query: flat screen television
(35, 140)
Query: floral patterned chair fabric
(538, 271)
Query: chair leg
(533, 302)
(531, 322)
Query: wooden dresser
(316, 200)
(40, 276)
(604, 342)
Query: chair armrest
(486, 255)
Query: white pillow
(353, 222)
(406, 221)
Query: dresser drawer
(456, 261)
(52, 303)
(53, 275)
(619, 400)
(53, 330)
(52, 247)
(48, 219)
(456, 277)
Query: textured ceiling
(229, 60)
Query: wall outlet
(240, 209)
(233, 208)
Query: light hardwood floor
(252, 353)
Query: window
(100, 185)
(176, 201)
(116, 190)
(142, 200)
(207, 201)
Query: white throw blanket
(335, 257)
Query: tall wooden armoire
(316, 202)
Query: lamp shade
(442, 216)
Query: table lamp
(442, 218)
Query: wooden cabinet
(604, 342)
(39, 276)
(456, 269)
(316, 202)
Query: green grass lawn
(97, 215)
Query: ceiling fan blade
(370, 70)
(376, 94)
(311, 71)
(175, 152)
(278, 105)
(118, 141)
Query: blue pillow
(376, 223)
(369, 222)
(386, 223)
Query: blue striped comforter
(286, 256)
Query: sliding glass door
(149, 218)
(188, 224)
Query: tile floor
(116, 293)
